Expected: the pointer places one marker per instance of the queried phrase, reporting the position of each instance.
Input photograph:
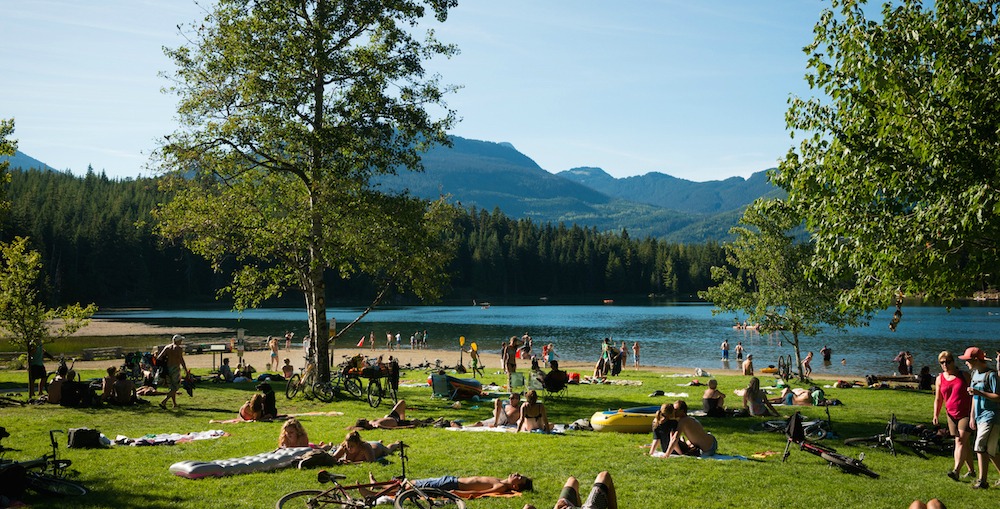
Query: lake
(674, 334)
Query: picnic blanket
(559, 429)
(263, 462)
(723, 457)
(169, 438)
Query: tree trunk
(798, 353)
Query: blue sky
(694, 89)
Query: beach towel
(558, 429)
(722, 457)
(169, 438)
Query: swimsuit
(446, 482)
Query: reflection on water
(685, 335)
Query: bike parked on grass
(795, 434)
(816, 429)
(924, 439)
(369, 494)
(45, 475)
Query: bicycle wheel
(782, 367)
(768, 426)
(817, 431)
(309, 499)
(46, 485)
(292, 387)
(872, 441)
(324, 392)
(375, 392)
(849, 465)
(353, 386)
(428, 497)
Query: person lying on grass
(355, 450)
(396, 419)
(471, 487)
(602, 494)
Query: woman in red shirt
(951, 391)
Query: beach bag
(84, 438)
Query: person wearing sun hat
(985, 411)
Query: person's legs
(602, 495)
(983, 430)
(935, 504)
(917, 504)
(570, 495)
(399, 409)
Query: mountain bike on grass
(366, 495)
(919, 439)
(816, 429)
(342, 380)
(45, 475)
(795, 435)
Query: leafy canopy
(24, 319)
(288, 109)
(897, 174)
(769, 281)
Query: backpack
(84, 438)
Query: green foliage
(139, 476)
(24, 319)
(97, 243)
(288, 109)
(897, 172)
(8, 147)
(772, 284)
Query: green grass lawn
(139, 477)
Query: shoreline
(260, 358)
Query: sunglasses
(945, 361)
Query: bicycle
(784, 367)
(45, 475)
(816, 429)
(927, 439)
(341, 380)
(300, 382)
(369, 494)
(796, 435)
(71, 375)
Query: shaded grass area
(139, 476)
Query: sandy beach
(260, 358)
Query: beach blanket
(558, 429)
(722, 457)
(169, 438)
(263, 462)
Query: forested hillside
(97, 242)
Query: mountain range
(491, 175)
(488, 175)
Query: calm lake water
(678, 334)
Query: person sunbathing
(396, 419)
(355, 450)
(602, 494)
(505, 413)
(533, 415)
(293, 434)
(471, 487)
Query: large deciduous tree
(289, 108)
(897, 175)
(772, 284)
